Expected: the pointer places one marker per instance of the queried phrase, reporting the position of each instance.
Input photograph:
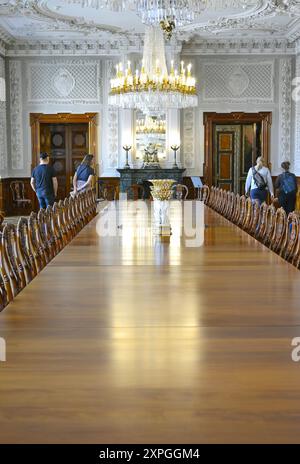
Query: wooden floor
(129, 340)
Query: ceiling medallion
(153, 90)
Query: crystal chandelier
(177, 12)
(153, 12)
(152, 89)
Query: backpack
(288, 183)
(260, 182)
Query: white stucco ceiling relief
(107, 22)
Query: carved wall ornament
(285, 108)
(238, 82)
(63, 82)
(72, 81)
(16, 115)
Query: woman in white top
(259, 181)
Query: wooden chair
(279, 231)
(63, 223)
(45, 233)
(260, 230)
(135, 192)
(3, 293)
(204, 194)
(24, 250)
(270, 223)
(231, 205)
(242, 212)
(17, 188)
(236, 211)
(255, 221)
(180, 192)
(58, 236)
(70, 224)
(110, 192)
(248, 214)
(224, 202)
(13, 265)
(35, 242)
(291, 245)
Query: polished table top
(130, 340)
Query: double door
(235, 149)
(66, 144)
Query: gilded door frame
(211, 119)
(64, 118)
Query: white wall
(80, 84)
(244, 83)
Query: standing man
(44, 182)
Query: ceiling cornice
(240, 46)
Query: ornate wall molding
(16, 114)
(112, 115)
(285, 108)
(297, 123)
(197, 46)
(3, 126)
(189, 138)
(64, 81)
(238, 81)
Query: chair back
(180, 192)
(135, 192)
(270, 223)
(25, 252)
(291, 245)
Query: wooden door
(66, 144)
(232, 142)
(235, 149)
(225, 156)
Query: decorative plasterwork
(189, 138)
(3, 126)
(199, 46)
(222, 18)
(297, 128)
(238, 81)
(285, 108)
(112, 115)
(16, 114)
(3, 138)
(69, 81)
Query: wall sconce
(127, 148)
(175, 148)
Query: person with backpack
(259, 182)
(286, 184)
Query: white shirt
(265, 173)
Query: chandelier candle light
(152, 89)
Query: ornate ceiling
(25, 20)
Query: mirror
(150, 130)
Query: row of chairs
(26, 249)
(271, 226)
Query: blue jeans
(258, 194)
(45, 199)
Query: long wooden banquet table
(132, 340)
